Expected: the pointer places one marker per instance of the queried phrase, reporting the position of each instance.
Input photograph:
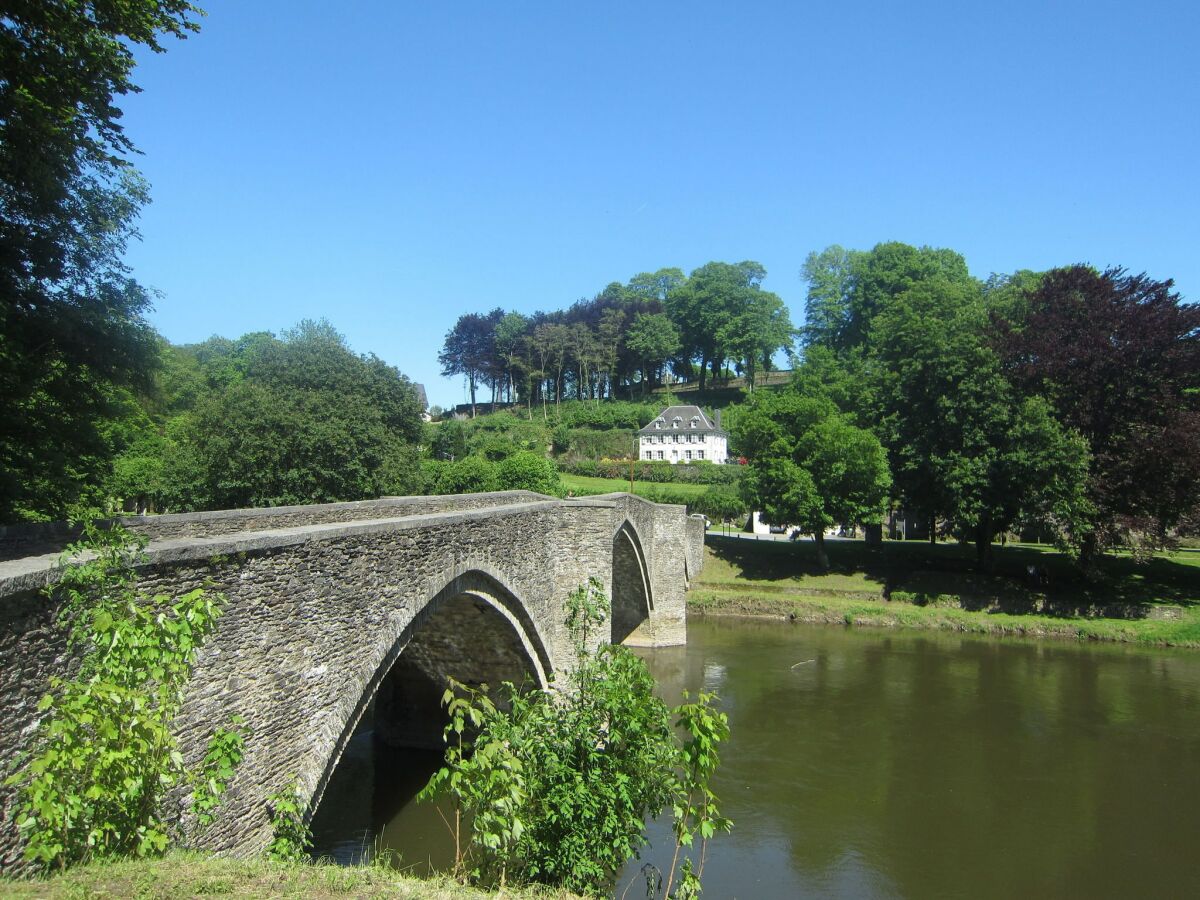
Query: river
(871, 763)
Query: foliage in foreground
(556, 789)
(104, 758)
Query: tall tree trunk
(703, 369)
(983, 544)
(822, 556)
(932, 529)
(471, 382)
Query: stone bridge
(343, 610)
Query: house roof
(680, 418)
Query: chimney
(718, 418)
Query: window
(695, 420)
(700, 454)
(660, 454)
(650, 453)
(687, 453)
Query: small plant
(104, 756)
(292, 838)
(221, 759)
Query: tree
(470, 348)
(305, 420)
(508, 334)
(71, 320)
(1118, 358)
(654, 339)
(469, 475)
(848, 288)
(809, 466)
(758, 326)
(964, 445)
(720, 303)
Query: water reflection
(885, 764)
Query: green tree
(809, 466)
(964, 445)
(556, 788)
(655, 339)
(72, 321)
(705, 309)
(470, 349)
(849, 288)
(300, 420)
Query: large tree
(847, 289)
(964, 445)
(470, 350)
(1118, 357)
(72, 331)
(809, 467)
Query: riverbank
(184, 874)
(909, 585)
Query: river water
(871, 763)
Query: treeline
(1068, 399)
(267, 421)
(716, 320)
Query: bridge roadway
(339, 611)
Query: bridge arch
(474, 629)
(632, 596)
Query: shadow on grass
(945, 573)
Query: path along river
(873, 763)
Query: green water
(870, 763)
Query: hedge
(696, 472)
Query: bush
(592, 444)
(557, 788)
(472, 475)
(527, 471)
(697, 472)
(104, 756)
(720, 503)
(607, 415)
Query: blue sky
(392, 165)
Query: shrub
(556, 789)
(290, 834)
(470, 475)
(104, 756)
(528, 471)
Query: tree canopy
(72, 331)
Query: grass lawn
(582, 485)
(915, 584)
(181, 874)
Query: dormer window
(658, 425)
(695, 421)
(675, 422)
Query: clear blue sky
(392, 165)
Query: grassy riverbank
(181, 875)
(915, 585)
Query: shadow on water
(370, 803)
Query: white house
(683, 434)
